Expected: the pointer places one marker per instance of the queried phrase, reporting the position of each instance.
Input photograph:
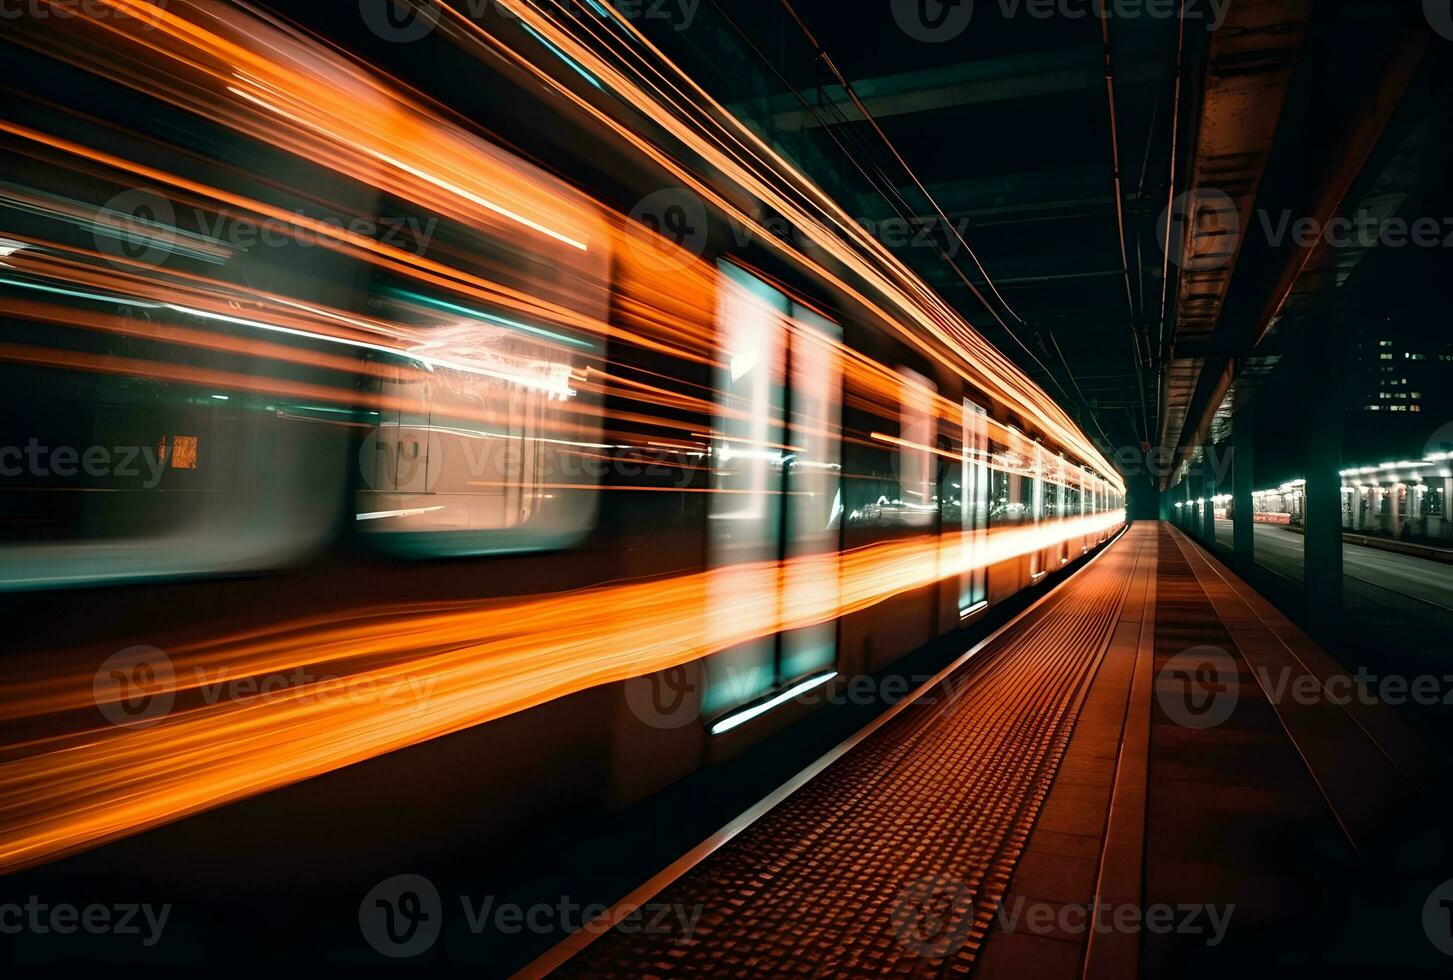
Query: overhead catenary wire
(934, 314)
(863, 110)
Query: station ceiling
(1003, 117)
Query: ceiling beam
(980, 82)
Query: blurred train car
(514, 345)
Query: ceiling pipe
(1163, 347)
(1120, 220)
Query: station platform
(1150, 772)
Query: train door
(1084, 510)
(813, 473)
(744, 517)
(776, 486)
(974, 509)
(1036, 510)
(1062, 508)
(917, 427)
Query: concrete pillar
(1322, 397)
(1445, 528)
(1208, 492)
(1243, 455)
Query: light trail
(406, 674)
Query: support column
(1208, 493)
(1243, 533)
(1446, 521)
(1322, 396)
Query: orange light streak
(430, 670)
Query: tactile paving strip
(894, 859)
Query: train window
(1002, 485)
(917, 425)
(212, 362)
(974, 507)
(157, 429)
(487, 438)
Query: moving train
(351, 413)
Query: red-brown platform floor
(1069, 765)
